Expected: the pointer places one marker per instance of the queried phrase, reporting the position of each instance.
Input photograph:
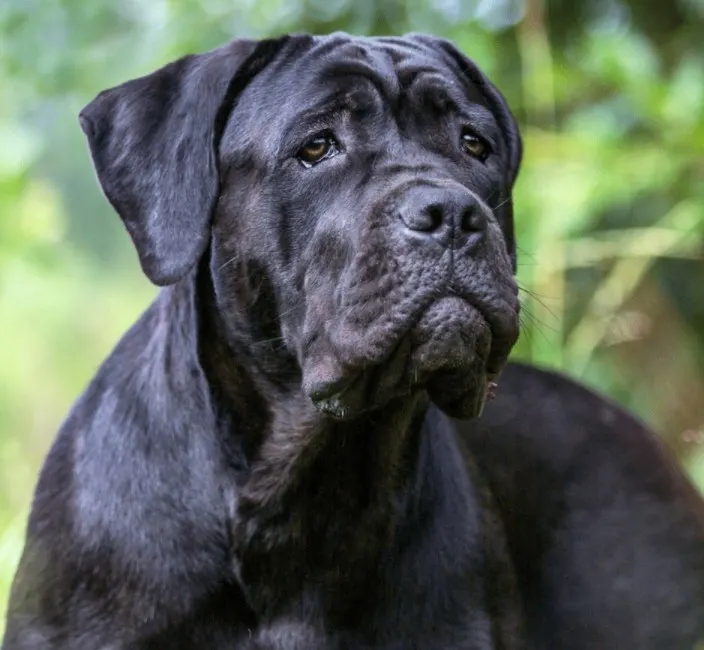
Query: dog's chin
(452, 347)
(445, 354)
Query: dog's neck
(321, 502)
(317, 500)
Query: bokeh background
(610, 201)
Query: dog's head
(353, 196)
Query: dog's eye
(317, 149)
(475, 146)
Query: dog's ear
(507, 123)
(154, 143)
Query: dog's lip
(327, 390)
(328, 396)
(332, 404)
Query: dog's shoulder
(131, 505)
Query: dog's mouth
(447, 352)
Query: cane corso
(286, 450)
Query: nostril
(472, 220)
(427, 219)
(435, 216)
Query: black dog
(267, 459)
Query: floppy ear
(507, 123)
(154, 143)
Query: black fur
(268, 459)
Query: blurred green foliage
(609, 204)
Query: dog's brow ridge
(387, 84)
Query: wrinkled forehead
(391, 65)
(346, 70)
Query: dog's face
(358, 209)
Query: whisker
(503, 203)
(234, 258)
(289, 311)
(523, 253)
(540, 299)
(276, 339)
(535, 321)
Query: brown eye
(316, 149)
(475, 146)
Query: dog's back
(606, 533)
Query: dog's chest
(415, 604)
(439, 584)
(476, 633)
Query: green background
(609, 203)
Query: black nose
(451, 216)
